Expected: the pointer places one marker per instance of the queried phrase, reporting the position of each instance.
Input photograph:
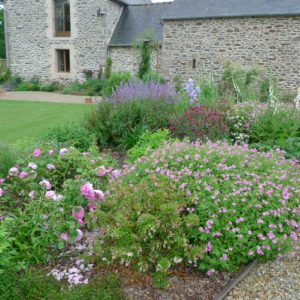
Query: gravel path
(276, 280)
(46, 97)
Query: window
(63, 61)
(62, 18)
(194, 64)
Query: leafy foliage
(120, 124)
(72, 134)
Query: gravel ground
(276, 280)
(45, 97)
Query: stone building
(58, 39)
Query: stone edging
(240, 276)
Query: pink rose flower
(23, 174)
(50, 167)
(78, 212)
(2, 180)
(62, 151)
(64, 236)
(115, 173)
(101, 171)
(51, 152)
(37, 152)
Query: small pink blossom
(31, 194)
(78, 212)
(211, 272)
(64, 236)
(91, 206)
(79, 235)
(2, 180)
(50, 195)
(51, 152)
(50, 167)
(1, 192)
(87, 190)
(115, 173)
(62, 151)
(98, 195)
(13, 171)
(32, 166)
(37, 152)
(23, 175)
(46, 184)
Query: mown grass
(21, 120)
(37, 285)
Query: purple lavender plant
(136, 89)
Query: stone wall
(32, 45)
(127, 58)
(267, 41)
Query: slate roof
(132, 2)
(190, 9)
(135, 20)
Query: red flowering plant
(201, 121)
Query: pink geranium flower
(46, 184)
(37, 152)
(91, 206)
(98, 195)
(79, 235)
(62, 151)
(64, 236)
(23, 174)
(78, 212)
(87, 190)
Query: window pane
(67, 15)
(58, 16)
(60, 60)
(67, 54)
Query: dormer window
(62, 18)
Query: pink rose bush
(59, 187)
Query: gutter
(233, 16)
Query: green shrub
(142, 224)
(5, 76)
(6, 249)
(114, 80)
(72, 134)
(227, 205)
(28, 86)
(275, 125)
(148, 141)
(119, 125)
(74, 88)
(93, 85)
(8, 156)
(52, 87)
(248, 82)
(13, 82)
(108, 65)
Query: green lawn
(21, 120)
